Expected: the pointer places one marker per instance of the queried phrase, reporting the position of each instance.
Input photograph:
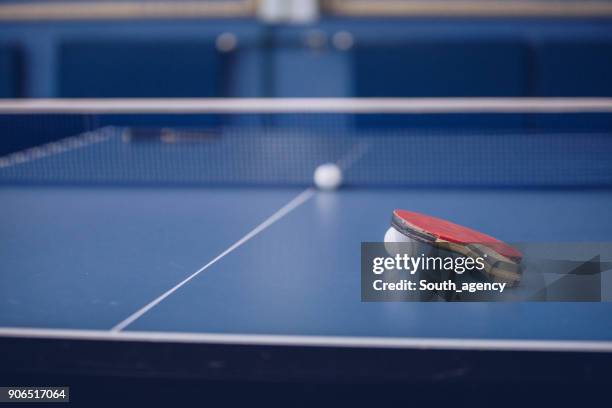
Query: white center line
(286, 209)
(353, 155)
(346, 161)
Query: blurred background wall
(305, 48)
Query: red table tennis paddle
(502, 261)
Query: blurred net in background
(283, 149)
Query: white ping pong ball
(328, 176)
(397, 243)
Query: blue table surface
(89, 257)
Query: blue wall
(392, 57)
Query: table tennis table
(134, 251)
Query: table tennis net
(284, 150)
